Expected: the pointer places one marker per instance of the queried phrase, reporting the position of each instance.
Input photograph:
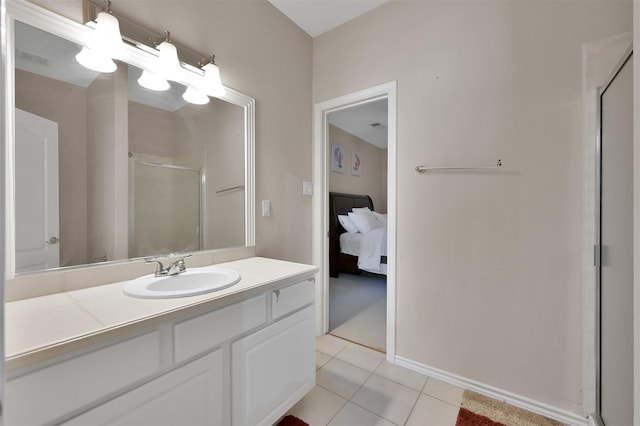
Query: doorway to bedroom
(321, 224)
(357, 137)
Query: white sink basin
(189, 283)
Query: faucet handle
(178, 266)
(160, 271)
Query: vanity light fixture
(168, 62)
(194, 96)
(106, 44)
(153, 81)
(212, 85)
(107, 35)
(96, 61)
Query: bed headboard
(341, 204)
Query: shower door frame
(596, 417)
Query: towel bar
(230, 189)
(423, 169)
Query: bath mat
(479, 410)
(467, 418)
(292, 421)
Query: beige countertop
(42, 327)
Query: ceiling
(367, 121)
(319, 16)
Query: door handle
(52, 240)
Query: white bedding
(367, 247)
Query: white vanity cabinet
(270, 369)
(189, 395)
(244, 363)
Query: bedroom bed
(349, 249)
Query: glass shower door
(615, 273)
(167, 209)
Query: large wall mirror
(102, 169)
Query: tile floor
(355, 386)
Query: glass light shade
(96, 61)
(212, 85)
(194, 96)
(168, 62)
(107, 36)
(151, 81)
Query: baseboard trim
(499, 394)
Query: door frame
(320, 252)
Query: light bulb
(194, 96)
(151, 81)
(96, 61)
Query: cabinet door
(55, 391)
(190, 395)
(272, 369)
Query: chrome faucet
(177, 267)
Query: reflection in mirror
(107, 170)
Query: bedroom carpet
(479, 410)
(358, 309)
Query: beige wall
(489, 271)
(107, 159)
(225, 168)
(66, 104)
(372, 180)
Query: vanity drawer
(207, 331)
(56, 390)
(289, 299)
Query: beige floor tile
(387, 399)
(321, 359)
(341, 378)
(404, 376)
(352, 415)
(330, 345)
(362, 357)
(429, 411)
(443, 391)
(318, 407)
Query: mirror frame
(51, 22)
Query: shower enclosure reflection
(139, 172)
(164, 208)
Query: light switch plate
(266, 208)
(307, 188)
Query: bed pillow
(365, 222)
(347, 224)
(382, 218)
(360, 209)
